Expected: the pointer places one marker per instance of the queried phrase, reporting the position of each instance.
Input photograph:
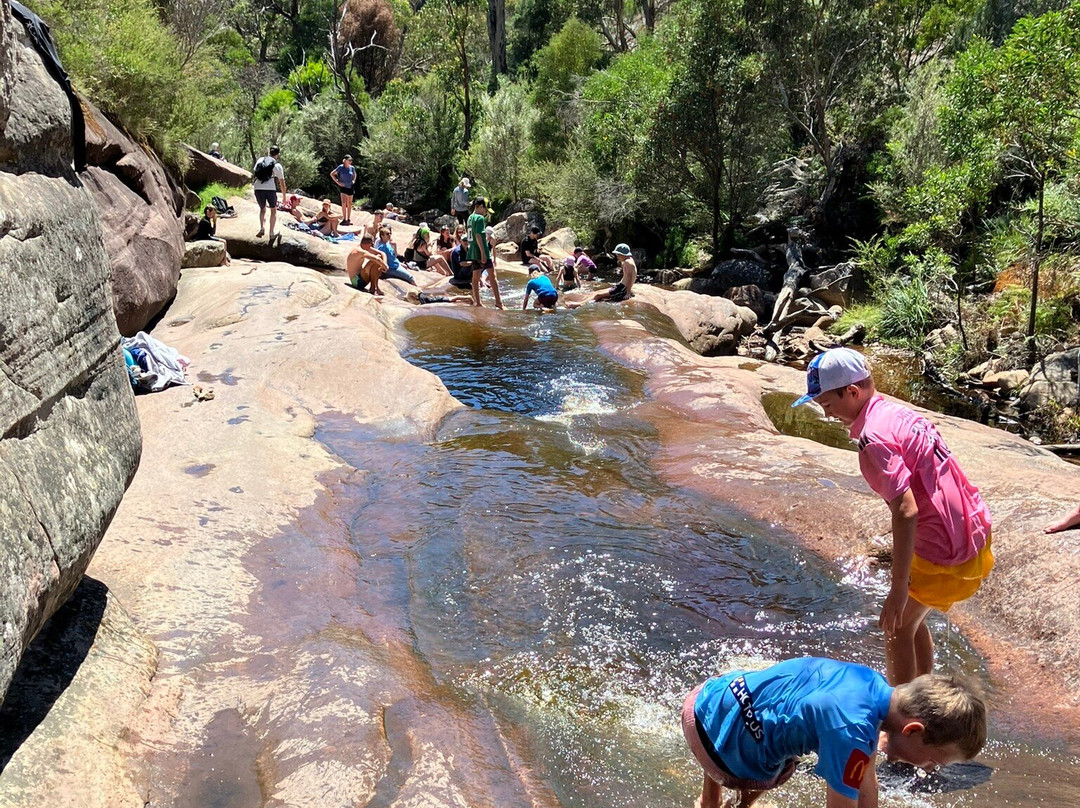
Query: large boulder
(559, 244)
(712, 326)
(1053, 379)
(204, 170)
(204, 253)
(70, 435)
(512, 229)
(141, 207)
(301, 249)
(531, 209)
(734, 272)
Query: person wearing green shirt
(480, 253)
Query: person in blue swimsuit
(748, 729)
(547, 296)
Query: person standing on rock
(940, 524)
(459, 203)
(344, 176)
(269, 179)
(480, 253)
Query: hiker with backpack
(269, 179)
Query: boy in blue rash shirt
(547, 296)
(748, 729)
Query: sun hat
(568, 261)
(831, 370)
(622, 249)
(465, 183)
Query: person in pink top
(940, 524)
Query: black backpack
(222, 207)
(264, 169)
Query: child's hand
(892, 612)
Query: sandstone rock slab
(559, 244)
(512, 229)
(69, 435)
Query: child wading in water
(748, 729)
(940, 524)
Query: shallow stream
(547, 575)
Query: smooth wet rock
(141, 208)
(1006, 381)
(1054, 379)
(205, 170)
(205, 253)
(712, 326)
(71, 439)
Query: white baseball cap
(835, 368)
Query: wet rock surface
(69, 435)
(717, 438)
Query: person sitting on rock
(623, 289)
(292, 207)
(384, 245)
(207, 231)
(215, 151)
(365, 266)
(325, 221)
(547, 296)
(530, 250)
(422, 256)
(461, 269)
(584, 263)
(568, 279)
(391, 212)
(445, 242)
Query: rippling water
(546, 575)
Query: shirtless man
(623, 289)
(365, 265)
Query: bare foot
(260, 234)
(1070, 520)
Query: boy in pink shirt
(940, 524)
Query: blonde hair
(950, 708)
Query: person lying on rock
(292, 207)
(207, 231)
(621, 291)
(940, 524)
(420, 253)
(547, 296)
(325, 221)
(365, 266)
(748, 729)
(425, 298)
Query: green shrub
(913, 303)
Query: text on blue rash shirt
(802, 705)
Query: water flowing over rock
(141, 207)
(69, 434)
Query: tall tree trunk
(1036, 258)
(648, 11)
(715, 219)
(467, 97)
(496, 21)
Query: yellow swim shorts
(940, 587)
